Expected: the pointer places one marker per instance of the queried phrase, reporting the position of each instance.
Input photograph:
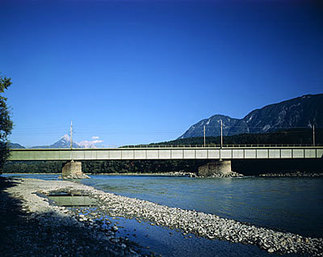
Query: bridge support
(73, 170)
(217, 169)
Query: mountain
(212, 126)
(64, 142)
(300, 112)
(15, 146)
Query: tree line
(296, 136)
(5, 122)
(96, 167)
(246, 167)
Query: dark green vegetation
(256, 167)
(140, 166)
(246, 167)
(33, 167)
(297, 136)
(5, 122)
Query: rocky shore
(166, 174)
(210, 226)
(292, 174)
(179, 174)
(31, 226)
(232, 174)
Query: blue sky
(133, 72)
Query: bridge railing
(187, 146)
(218, 146)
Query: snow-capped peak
(66, 137)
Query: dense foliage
(297, 136)
(5, 122)
(246, 167)
(105, 166)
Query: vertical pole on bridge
(204, 136)
(71, 135)
(313, 135)
(221, 135)
(72, 169)
(71, 140)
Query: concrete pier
(221, 168)
(73, 170)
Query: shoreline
(44, 229)
(189, 174)
(292, 174)
(201, 224)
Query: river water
(284, 204)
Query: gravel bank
(208, 225)
(292, 174)
(30, 226)
(198, 223)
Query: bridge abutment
(217, 168)
(73, 170)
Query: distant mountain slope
(212, 126)
(64, 142)
(299, 112)
(15, 146)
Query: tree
(5, 122)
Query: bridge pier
(216, 168)
(73, 170)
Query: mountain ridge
(303, 111)
(63, 142)
(15, 146)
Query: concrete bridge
(222, 156)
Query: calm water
(285, 204)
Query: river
(284, 204)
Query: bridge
(168, 153)
(220, 156)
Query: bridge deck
(167, 153)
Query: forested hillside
(296, 136)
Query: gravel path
(198, 223)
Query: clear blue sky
(134, 72)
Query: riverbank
(31, 226)
(189, 222)
(188, 174)
(166, 174)
(292, 174)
